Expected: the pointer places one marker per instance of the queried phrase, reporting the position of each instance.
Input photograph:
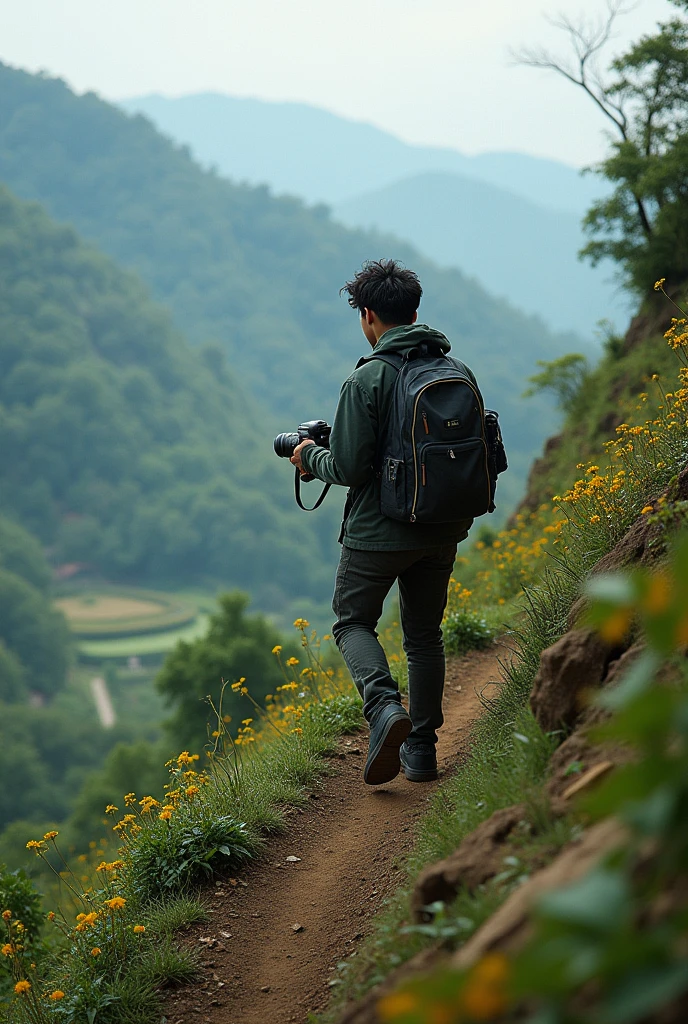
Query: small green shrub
(171, 855)
(466, 631)
(18, 894)
(338, 716)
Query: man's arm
(349, 460)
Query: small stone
(265, 988)
(226, 935)
(293, 860)
(297, 927)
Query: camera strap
(297, 493)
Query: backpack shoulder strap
(391, 358)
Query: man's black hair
(386, 288)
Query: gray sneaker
(419, 761)
(390, 728)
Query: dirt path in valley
(103, 702)
(257, 967)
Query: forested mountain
(256, 274)
(121, 447)
(311, 152)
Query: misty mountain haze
(508, 219)
(311, 152)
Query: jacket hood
(401, 339)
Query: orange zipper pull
(425, 422)
(422, 470)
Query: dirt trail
(351, 841)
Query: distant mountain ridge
(313, 153)
(510, 245)
(509, 220)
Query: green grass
(225, 823)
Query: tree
(643, 224)
(564, 376)
(236, 645)
(34, 632)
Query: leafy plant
(466, 631)
(171, 855)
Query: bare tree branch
(587, 40)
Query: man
(377, 550)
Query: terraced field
(122, 623)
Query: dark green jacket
(364, 405)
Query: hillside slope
(120, 446)
(258, 275)
(607, 397)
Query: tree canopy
(236, 646)
(120, 447)
(643, 223)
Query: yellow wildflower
(139, 929)
(301, 623)
(22, 987)
(277, 649)
(130, 799)
(51, 835)
(116, 903)
(616, 626)
(111, 809)
(397, 1005)
(96, 951)
(659, 285)
(648, 508)
(6, 915)
(56, 995)
(7, 949)
(292, 661)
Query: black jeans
(364, 578)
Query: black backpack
(440, 451)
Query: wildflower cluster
(102, 923)
(583, 522)
(283, 710)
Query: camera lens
(285, 445)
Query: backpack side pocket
(393, 502)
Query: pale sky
(434, 72)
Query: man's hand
(296, 457)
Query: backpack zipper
(466, 381)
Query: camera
(317, 431)
(314, 430)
